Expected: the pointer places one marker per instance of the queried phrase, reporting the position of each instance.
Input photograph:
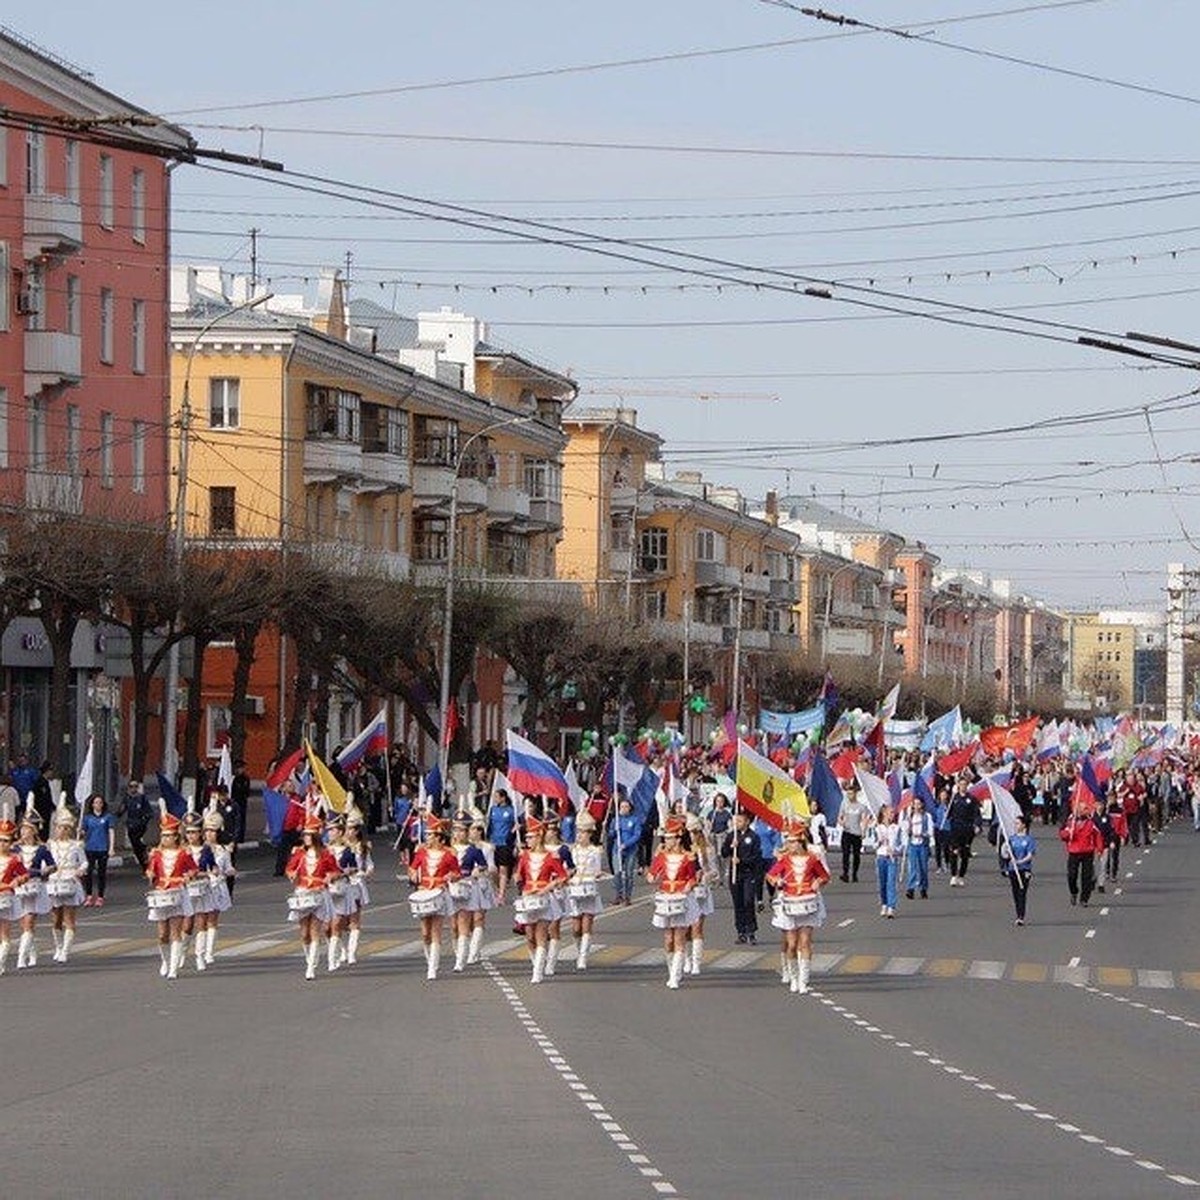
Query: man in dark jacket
(744, 851)
(963, 819)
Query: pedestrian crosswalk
(638, 957)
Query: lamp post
(850, 566)
(448, 606)
(171, 704)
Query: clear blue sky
(775, 370)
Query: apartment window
(431, 541)
(3, 428)
(3, 156)
(710, 546)
(35, 164)
(137, 197)
(139, 337)
(71, 158)
(654, 550)
(37, 434)
(222, 511)
(1116, 637)
(139, 457)
(436, 441)
(73, 304)
(35, 296)
(106, 325)
(106, 191)
(543, 479)
(4, 309)
(334, 413)
(397, 431)
(74, 440)
(223, 399)
(654, 606)
(106, 450)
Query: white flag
(1007, 811)
(225, 769)
(83, 781)
(875, 791)
(578, 793)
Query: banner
(791, 723)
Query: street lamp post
(829, 606)
(171, 704)
(448, 606)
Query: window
(654, 606)
(35, 164)
(397, 431)
(222, 510)
(1116, 637)
(223, 411)
(139, 457)
(74, 440)
(73, 304)
(36, 434)
(137, 198)
(654, 550)
(3, 156)
(3, 428)
(543, 479)
(431, 541)
(106, 450)
(710, 546)
(436, 441)
(219, 719)
(106, 191)
(35, 296)
(4, 309)
(334, 413)
(106, 325)
(139, 337)
(71, 157)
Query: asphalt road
(944, 1053)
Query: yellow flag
(325, 780)
(766, 790)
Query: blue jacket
(1023, 847)
(627, 831)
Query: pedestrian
(584, 903)
(852, 820)
(888, 846)
(64, 887)
(99, 832)
(464, 891)
(1017, 853)
(501, 833)
(310, 869)
(1117, 835)
(362, 867)
(962, 817)
(1195, 791)
(769, 840)
(136, 810)
(623, 839)
(941, 831)
(23, 775)
(239, 793)
(673, 870)
(744, 852)
(798, 875)
(43, 794)
(339, 890)
(219, 857)
(719, 821)
(1083, 841)
(917, 833)
(199, 890)
(169, 868)
(558, 900)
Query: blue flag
(176, 804)
(823, 788)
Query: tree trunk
(244, 641)
(321, 714)
(139, 741)
(301, 694)
(60, 632)
(195, 709)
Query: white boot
(697, 955)
(476, 945)
(539, 965)
(789, 974)
(674, 968)
(435, 957)
(3, 956)
(23, 950)
(58, 939)
(31, 957)
(334, 957)
(68, 941)
(311, 950)
(460, 951)
(785, 969)
(585, 944)
(794, 973)
(804, 965)
(198, 944)
(552, 955)
(687, 958)
(352, 939)
(175, 958)
(210, 944)
(164, 952)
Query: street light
(171, 705)
(448, 609)
(850, 566)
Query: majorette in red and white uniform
(12, 874)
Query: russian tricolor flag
(373, 740)
(532, 772)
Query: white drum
(198, 889)
(461, 889)
(800, 906)
(532, 906)
(427, 902)
(582, 889)
(61, 889)
(338, 887)
(6, 905)
(702, 893)
(669, 904)
(304, 900)
(31, 887)
(161, 898)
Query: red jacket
(802, 882)
(434, 875)
(684, 875)
(1080, 835)
(549, 871)
(13, 873)
(323, 871)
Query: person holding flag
(501, 833)
(1017, 854)
(1083, 841)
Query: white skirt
(781, 920)
(222, 901)
(343, 902)
(704, 899)
(323, 911)
(182, 909)
(583, 906)
(691, 911)
(467, 898)
(487, 893)
(36, 904)
(205, 901)
(359, 894)
(72, 899)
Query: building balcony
(53, 226)
(431, 484)
(52, 359)
(382, 471)
(698, 633)
(785, 643)
(754, 584)
(623, 498)
(712, 576)
(429, 573)
(507, 504)
(622, 563)
(756, 639)
(327, 460)
(546, 512)
(53, 491)
(350, 559)
(784, 590)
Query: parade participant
(432, 869)
(464, 892)
(719, 821)
(558, 907)
(962, 819)
(941, 831)
(1118, 833)
(674, 870)
(887, 858)
(221, 875)
(66, 892)
(169, 868)
(1017, 853)
(12, 875)
(744, 851)
(583, 891)
(223, 805)
(501, 833)
(32, 898)
(362, 868)
(917, 834)
(98, 829)
(708, 873)
(771, 842)
(136, 810)
(199, 889)
(798, 875)
(310, 868)
(486, 884)
(852, 820)
(1083, 840)
(624, 836)
(340, 897)
(538, 875)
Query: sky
(895, 174)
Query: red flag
(1008, 737)
(952, 763)
(452, 724)
(874, 746)
(283, 770)
(842, 765)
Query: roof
(527, 366)
(807, 510)
(393, 330)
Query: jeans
(1112, 859)
(918, 867)
(887, 869)
(624, 868)
(97, 872)
(1019, 882)
(851, 855)
(1081, 876)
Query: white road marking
(1104, 912)
(1091, 933)
(1074, 962)
(847, 922)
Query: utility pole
(737, 647)
(253, 259)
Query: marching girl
(33, 899)
(707, 873)
(465, 891)
(169, 869)
(362, 868)
(12, 875)
(487, 890)
(539, 874)
(221, 874)
(199, 888)
(340, 891)
(433, 867)
(310, 869)
(558, 906)
(583, 892)
(66, 891)
(798, 874)
(675, 872)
